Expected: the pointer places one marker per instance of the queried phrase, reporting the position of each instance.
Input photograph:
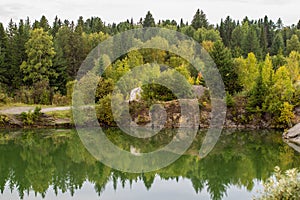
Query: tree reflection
(37, 160)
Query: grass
(11, 105)
(62, 114)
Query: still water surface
(53, 164)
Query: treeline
(258, 59)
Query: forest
(259, 61)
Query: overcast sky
(120, 10)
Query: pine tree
(149, 20)
(298, 25)
(226, 29)
(223, 59)
(13, 56)
(263, 41)
(3, 55)
(293, 44)
(44, 24)
(56, 26)
(277, 45)
(251, 42)
(199, 20)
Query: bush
(29, 118)
(42, 93)
(60, 100)
(286, 114)
(24, 95)
(282, 186)
(229, 100)
(39, 93)
(70, 89)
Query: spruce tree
(224, 62)
(199, 20)
(277, 45)
(149, 20)
(293, 44)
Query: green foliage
(4, 120)
(39, 93)
(247, 71)
(60, 100)
(104, 111)
(250, 42)
(282, 186)
(278, 44)
(70, 89)
(42, 93)
(199, 20)
(230, 102)
(178, 87)
(40, 52)
(286, 114)
(149, 20)
(29, 118)
(222, 57)
(257, 94)
(293, 44)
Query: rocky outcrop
(293, 134)
(44, 121)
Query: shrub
(282, 186)
(286, 114)
(60, 100)
(24, 95)
(70, 89)
(229, 100)
(29, 118)
(39, 93)
(42, 92)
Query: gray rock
(135, 94)
(199, 90)
(293, 145)
(293, 132)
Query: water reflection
(34, 161)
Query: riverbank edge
(236, 118)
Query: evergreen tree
(3, 56)
(149, 20)
(293, 44)
(251, 43)
(13, 56)
(226, 29)
(257, 94)
(56, 26)
(279, 24)
(298, 25)
(277, 45)
(40, 52)
(44, 24)
(263, 41)
(199, 20)
(222, 57)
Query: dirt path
(19, 110)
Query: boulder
(293, 134)
(199, 90)
(135, 94)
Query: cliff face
(236, 117)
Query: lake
(54, 164)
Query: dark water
(53, 164)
